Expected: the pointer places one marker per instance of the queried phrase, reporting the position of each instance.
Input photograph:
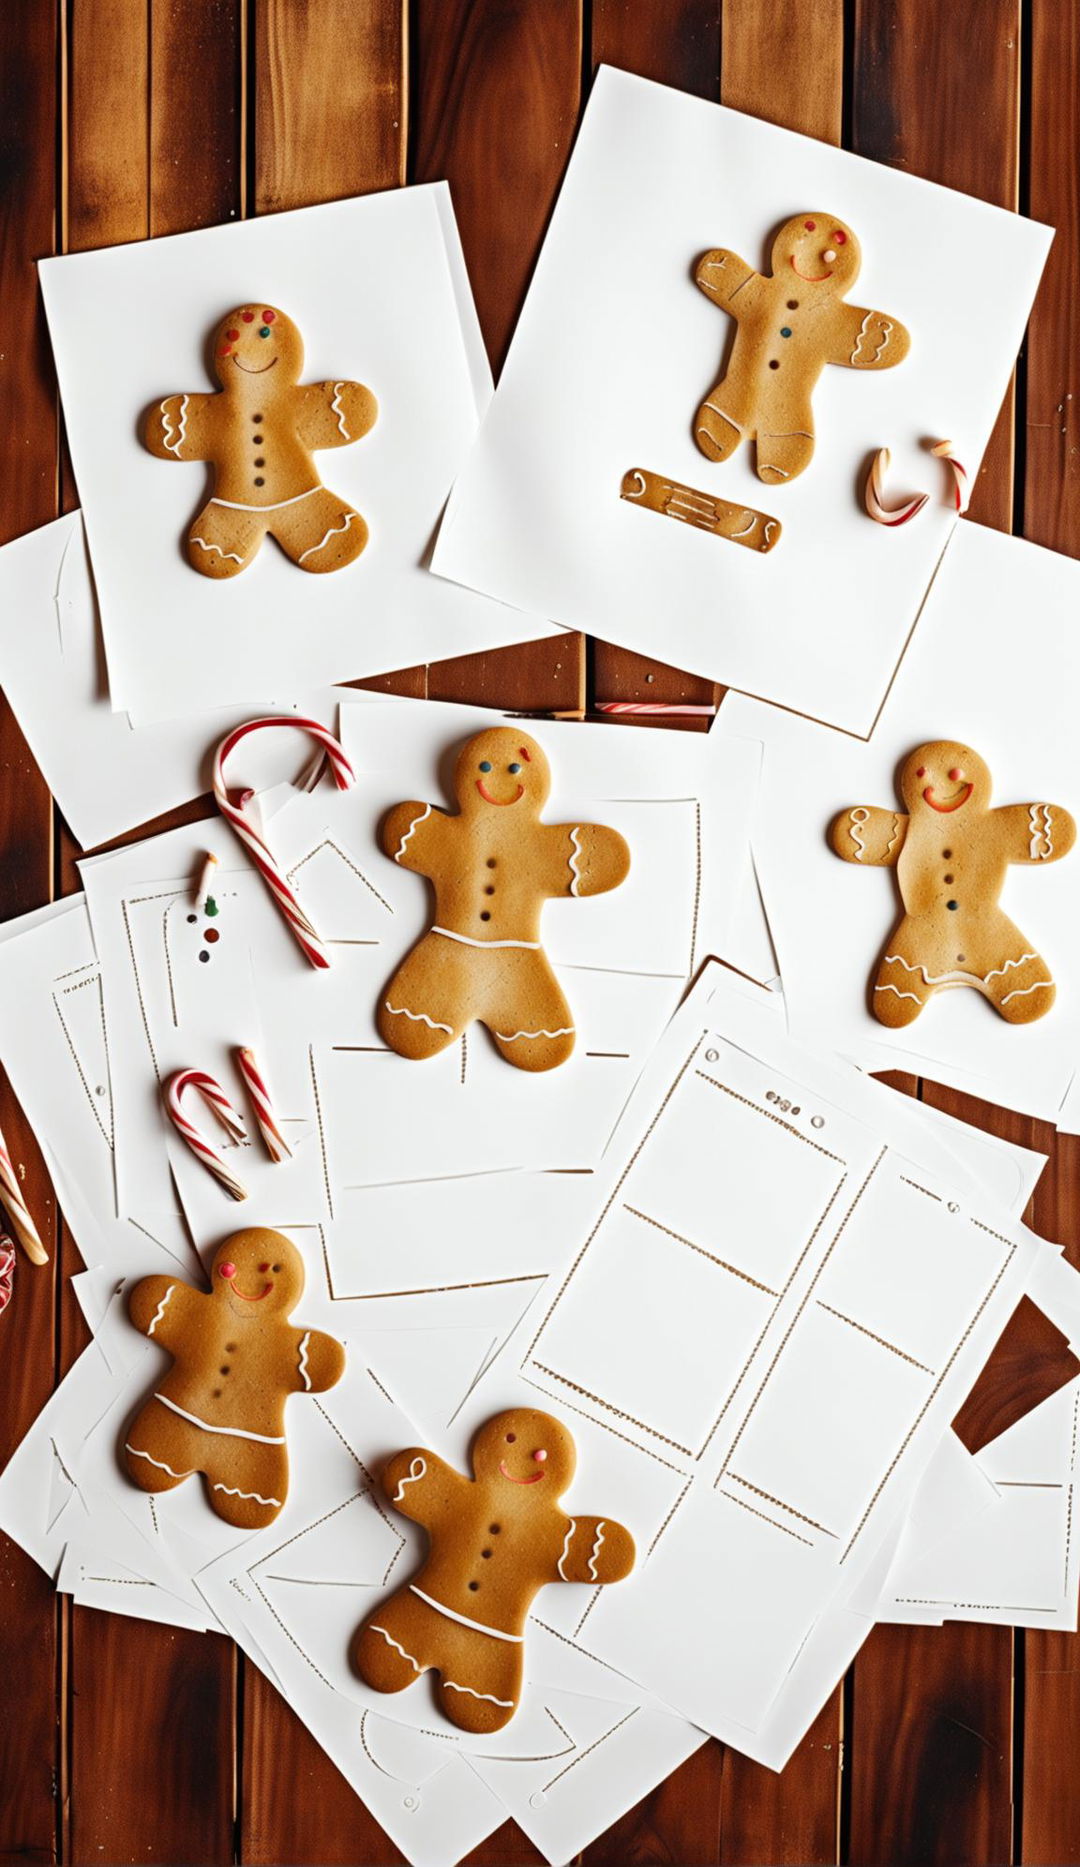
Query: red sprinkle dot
(248, 317)
(211, 936)
(839, 237)
(269, 316)
(921, 773)
(955, 773)
(232, 336)
(810, 225)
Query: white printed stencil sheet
(785, 1293)
(616, 348)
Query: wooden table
(121, 1741)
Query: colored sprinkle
(211, 906)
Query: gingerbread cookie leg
(319, 533)
(902, 986)
(529, 1017)
(430, 998)
(722, 422)
(384, 1652)
(224, 539)
(782, 457)
(482, 1695)
(160, 1451)
(1015, 978)
(247, 1484)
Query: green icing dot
(211, 906)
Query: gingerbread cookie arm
(583, 859)
(410, 832)
(320, 1361)
(720, 274)
(177, 427)
(867, 340)
(594, 1549)
(420, 1484)
(164, 1308)
(868, 835)
(331, 414)
(1034, 832)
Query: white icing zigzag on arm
(1040, 833)
(174, 446)
(857, 817)
(412, 1477)
(414, 825)
(304, 1362)
(599, 1539)
(338, 411)
(566, 1549)
(575, 859)
(160, 1311)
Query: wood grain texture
(31, 1621)
(330, 102)
(1031, 1360)
(791, 49)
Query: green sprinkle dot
(211, 906)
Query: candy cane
(236, 812)
(874, 495)
(944, 451)
(216, 1100)
(652, 707)
(7, 1270)
(11, 1198)
(255, 1082)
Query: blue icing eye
(265, 331)
(485, 764)
(785, 332)
(513, 768)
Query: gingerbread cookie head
(501, 770)
(819, 250)
(531, 1451)
(257, 1274)
(944, 778)
(253, 341)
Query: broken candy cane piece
(18, 1212)
(944, 451)
(755, 530)
(874, 495)
(175, 1088)
(255, 1083)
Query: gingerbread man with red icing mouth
(495, 1540)
(951, 853)
(790, 323)
(259, 434)
(220, 1408)
(493, 865)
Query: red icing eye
(232, 336)
(810, 225)
(226, 1270)
(269, 316)
(248, 317)
(955, 773)
(264, 1267)
(921, 773)
(510, 1438)
(839, 237)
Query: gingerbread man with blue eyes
(789, 324)
(951, 853)
(493, 865)
(259, 433)
(494, 1541)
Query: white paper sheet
(616, 348)
(377, 290)
(967, 676)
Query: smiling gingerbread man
(790, 323)
(495, 1540)
(951, 852)
(220, 1409)
(493, 866)
(258, 435)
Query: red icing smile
(811, 278)
(951, 803)
(264, 1292)
(251, 372)
(502, 802)
(534, 1480)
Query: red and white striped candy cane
(944, 451)
(7, 1270)
(255, 1082)
(235, 810)
(18, 1212)
(231, 1120)
(874, 495)
(658, 707)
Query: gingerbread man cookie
(789, 324)
(220, 1409)
(493, 865)
(951, 853)
(494, 1541)
(258, 434)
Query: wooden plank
(1031, 1360)
(30, 1755)
(930, 1753)
(152, 146)
(1049, 1826)
(329, 100)
(344, 59)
